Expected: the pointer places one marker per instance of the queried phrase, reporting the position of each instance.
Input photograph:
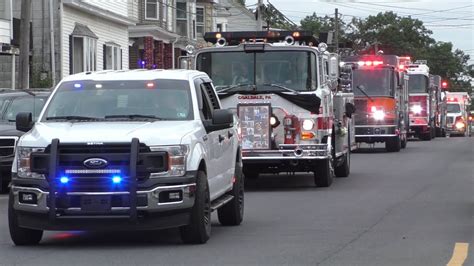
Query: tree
(391, 33)
(275, 19)
(318, 25)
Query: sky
(450, 20)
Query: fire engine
(457, 105)
(440, 106)
(284, 89)
(422, 101)
(381, 95)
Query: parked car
(127, 150)
(12, 103)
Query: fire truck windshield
(453, 108)
(417, 84)
(376, 82)
(271, 70)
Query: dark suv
(12, 103)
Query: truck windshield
(129, 100)
(375, 82)
(417, 83)
(295, 70)
(27, 104)
(453, 108)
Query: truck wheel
(232, 213)
(344, 169)
(250, 173)
(393, 144)
(19, 235)
(322, 173)
(403, 144)
(199, 229)
(3, 185)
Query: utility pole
(24, 69)
(336, 30)
(259, 15)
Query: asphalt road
(407, 208)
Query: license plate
(96, 203)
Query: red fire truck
(381, 95)
(440, 106)
(422, 101)
(283, 86)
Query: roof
(83, 30)
(137, 74)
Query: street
(406, 208)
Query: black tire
(19, 235)
(322, 173)
(198, 231)
(393, 144)
(250, 173)
(3, 185)
(344, 169)
(404, 142)
(232, 213)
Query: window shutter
(71, 59)
(104, 57)
(121, 63)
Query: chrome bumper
(289, 152)
(152, 199)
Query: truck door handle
(221, 138)
(230, 134)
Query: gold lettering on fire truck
(255, 97)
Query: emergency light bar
(236, 37)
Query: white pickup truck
(127, 150)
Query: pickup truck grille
(7, 146)
(72, 157)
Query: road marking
(459, 254)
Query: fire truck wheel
(322, 173)
(19, 235)
(344, 169)
(393, 144)
(199, 229)
(232, 213)
(404, 142)
(250, 173)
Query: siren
(289, 40)
(221, 42)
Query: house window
(152, 9)
(83, 54)
(112, 57)
(181, 18)
(200, 21)
(219, 27)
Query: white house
(94, 35)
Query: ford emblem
(96, 163)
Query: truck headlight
(308, 124)
(176, 159)
(24, 162)
(416, 109)
(379, 115)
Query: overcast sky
(450, 20)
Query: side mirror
(333, 70)
(350, 109)
(222, 117)
(24, 122)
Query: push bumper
(375, 133)
(152, 211)
(288, 152)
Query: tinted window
(293, 69)
(375, 82)
(453, 108)
(25, 104)
(166, 99)
(417, 83)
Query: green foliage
(242, 2)
(275, 19)
(404, 36)
(37, 82)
